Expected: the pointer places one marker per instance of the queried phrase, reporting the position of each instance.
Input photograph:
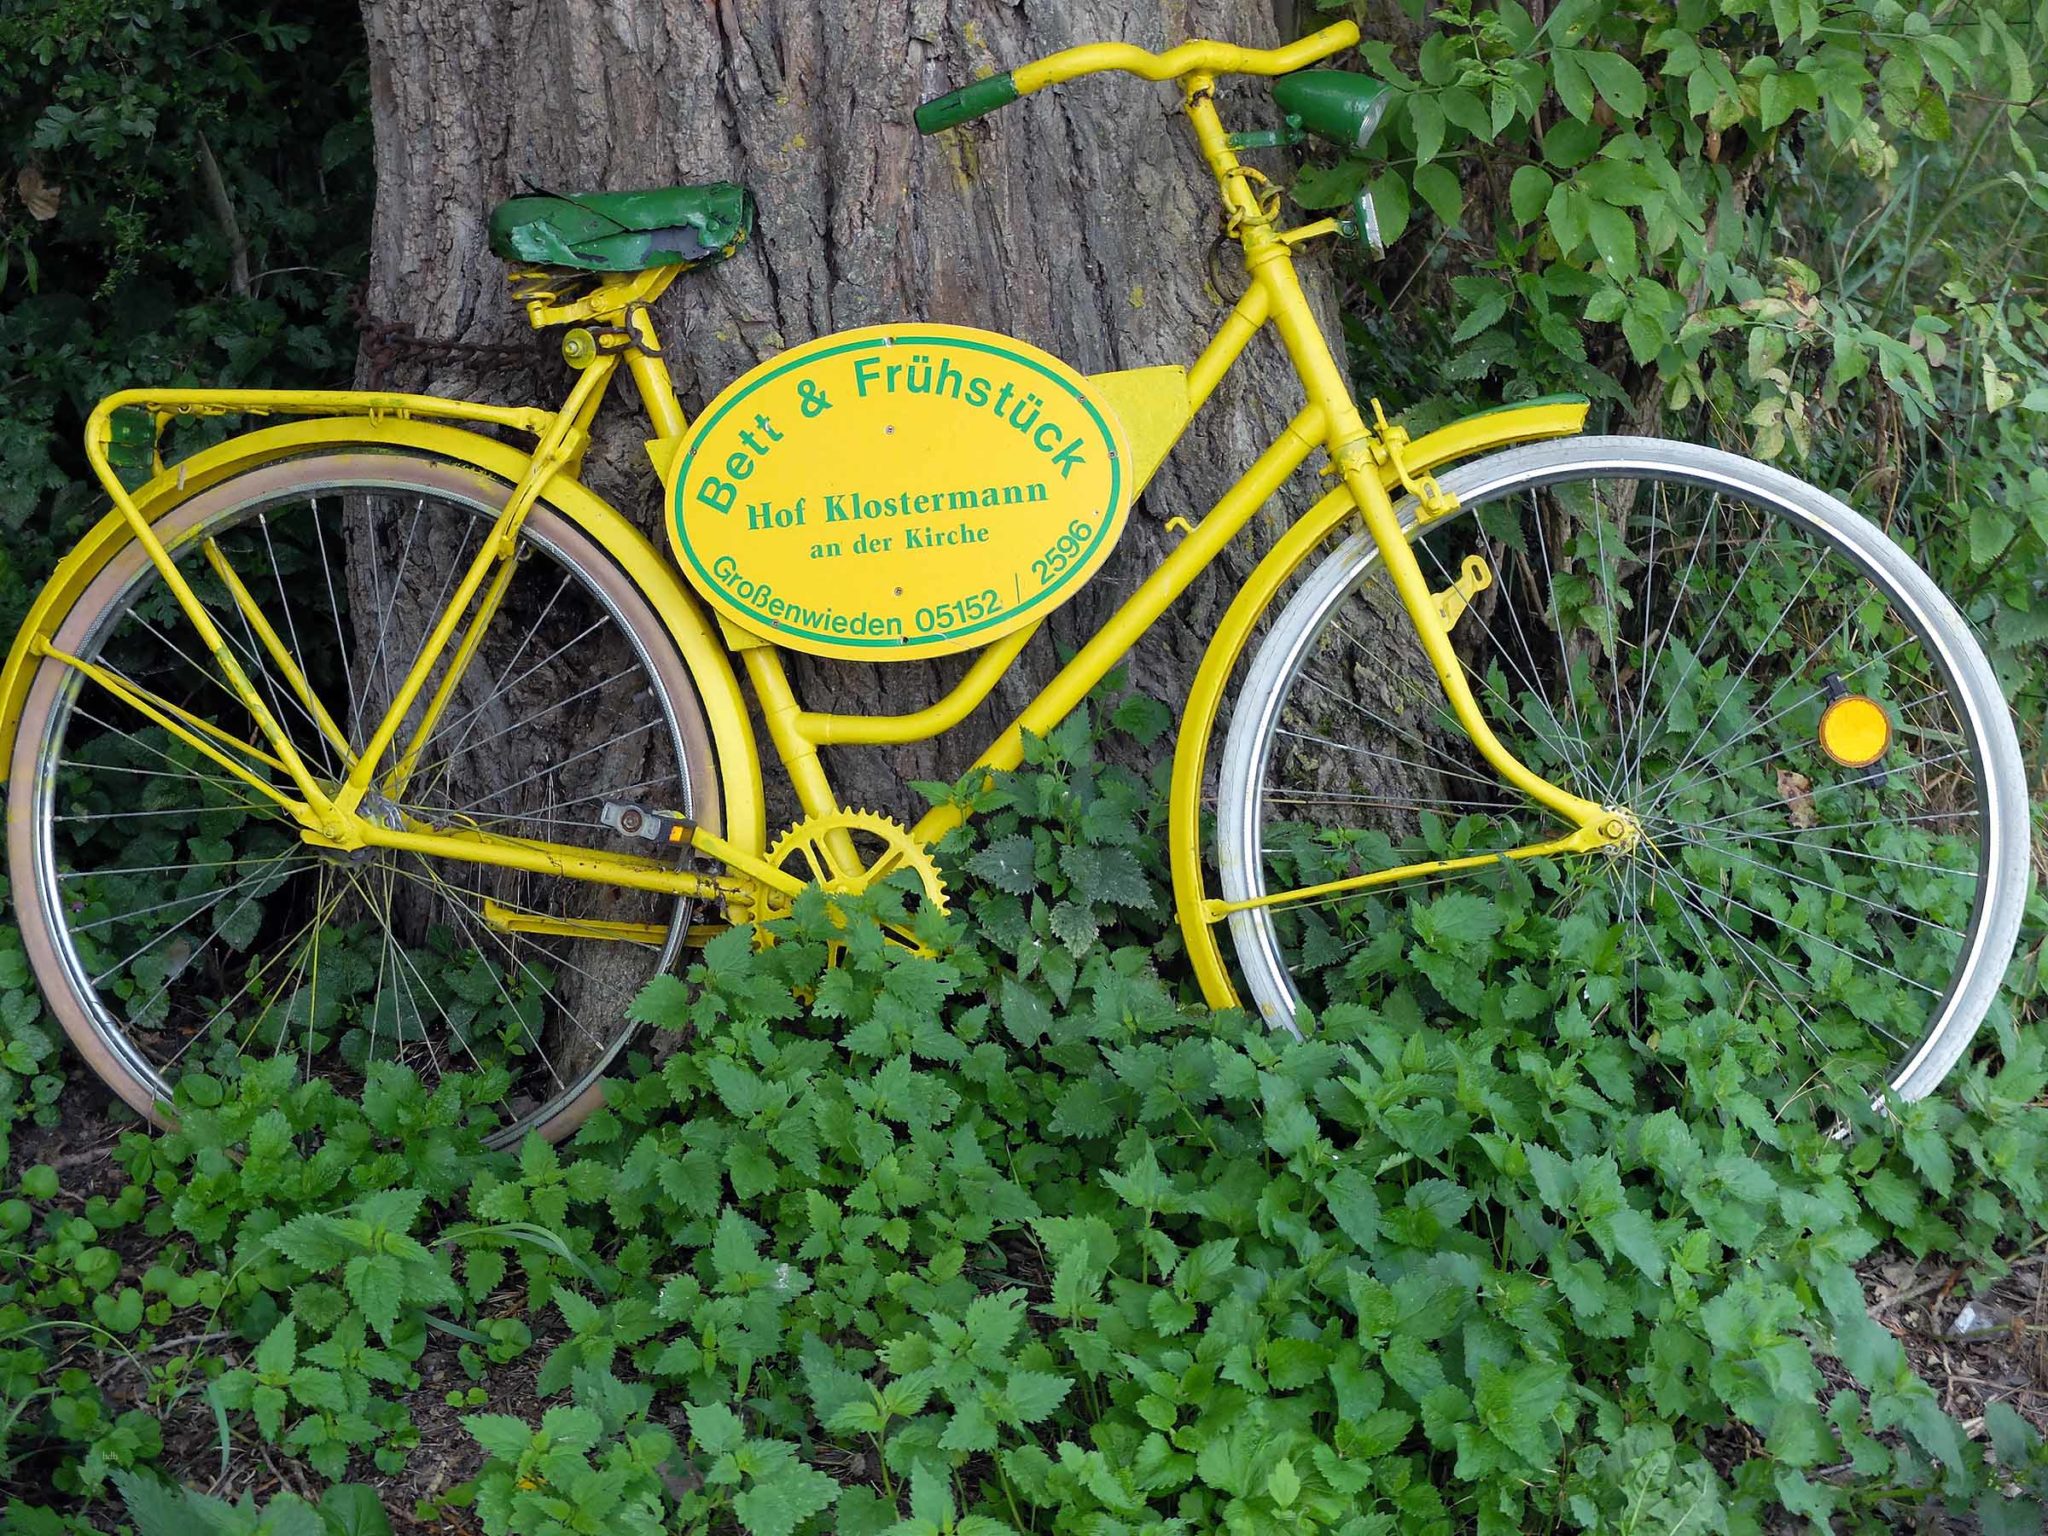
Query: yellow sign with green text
(898, 491)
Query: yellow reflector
(1854, 731)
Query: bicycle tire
(1519, 490)
(420, 911)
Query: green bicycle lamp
(1333, 104)
(1344, 107)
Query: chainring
(846, 852)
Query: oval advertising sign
(898, 491)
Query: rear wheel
(1833, 861)
(177, 922)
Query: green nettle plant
(999, 1231)
(346, 1509)
(1004, 1236)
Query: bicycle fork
(1357, 452)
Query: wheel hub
(377, 811)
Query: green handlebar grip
(967, 103)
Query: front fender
(1562, 416)
(725, 711)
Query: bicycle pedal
(648, 824)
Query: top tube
(1198, 56)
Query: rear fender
(710, 666)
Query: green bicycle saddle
(625, 231)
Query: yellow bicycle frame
(1372, 462)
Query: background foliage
(184, 198)
(1011, 1236)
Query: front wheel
(1833, 856)
(175, 918)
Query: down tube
(1155, 595)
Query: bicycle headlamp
(1333, 104)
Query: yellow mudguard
(732, 735)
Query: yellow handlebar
(1198, 57)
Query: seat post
(657, 393)
(613, 316)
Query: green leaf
(1436, 185)
(664, 1001)
(1619, 82)
(392, 1210)
(735, 1254)
(1606, 304)
(1283, 1483)
(716, 1428)
(1006, 864)
(1489, 304)
(314, 1242)
(319, 1389)
(992, 1321)
(1614, 237)
(1074, 925)
(1528, 191)
(1390, 202)
(2012, 1437)
(1570, 143)
(1356, 1206)
(279, 1350)
(1466, 110)
(1574, 83)
(162, 1509)
(1927, 1149)
(1107, 875)
(1426, 117)
(1781, 94)
(1555, 1180)
(1143, 718)
(778, 1501)
(1457, 922)
(1330, 186)
(1646, 334)
(350, 1509)
(500, 1435)
(376, 1283)
(1991, 528)
(1569, 214)
(268, 1404)
(1033, 1395)
(1516, 1405)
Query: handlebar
(1198, 56)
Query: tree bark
(1081, 220)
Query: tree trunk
(1081, 220)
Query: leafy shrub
(1806, 229)
(187, 191)
(1007, 1232)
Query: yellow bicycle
(370, 736)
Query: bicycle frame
(1371, 461)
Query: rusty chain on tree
(388, 343)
